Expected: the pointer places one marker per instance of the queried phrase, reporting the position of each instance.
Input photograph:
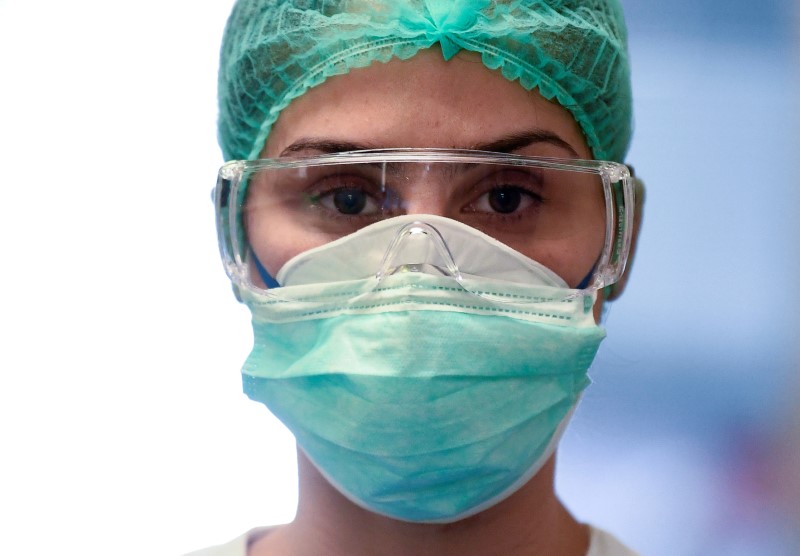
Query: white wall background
(122, 425)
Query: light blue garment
(420, 400)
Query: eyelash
(328, 186)
(525, 183)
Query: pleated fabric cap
(572, 51)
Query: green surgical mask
(421, 395)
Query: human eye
(347, 195)
(506, 193)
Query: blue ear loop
(269, 281)
(585, 281)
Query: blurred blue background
(123, 426)
(688, 441)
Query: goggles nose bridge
(418, 247)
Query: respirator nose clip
(418, 247)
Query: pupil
(349, 201)
(505, 200)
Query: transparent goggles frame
(618, 194)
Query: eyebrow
(325, 146)
(505, 144)
(517, 141)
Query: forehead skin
(424, 102)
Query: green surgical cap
(572, 51)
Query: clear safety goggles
(574, 217)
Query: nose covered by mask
(426, 370)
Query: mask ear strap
(269, 281)
(585, 281)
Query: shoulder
(236, 547)
(602, 543)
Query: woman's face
(428, 102)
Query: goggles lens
(572, 216)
